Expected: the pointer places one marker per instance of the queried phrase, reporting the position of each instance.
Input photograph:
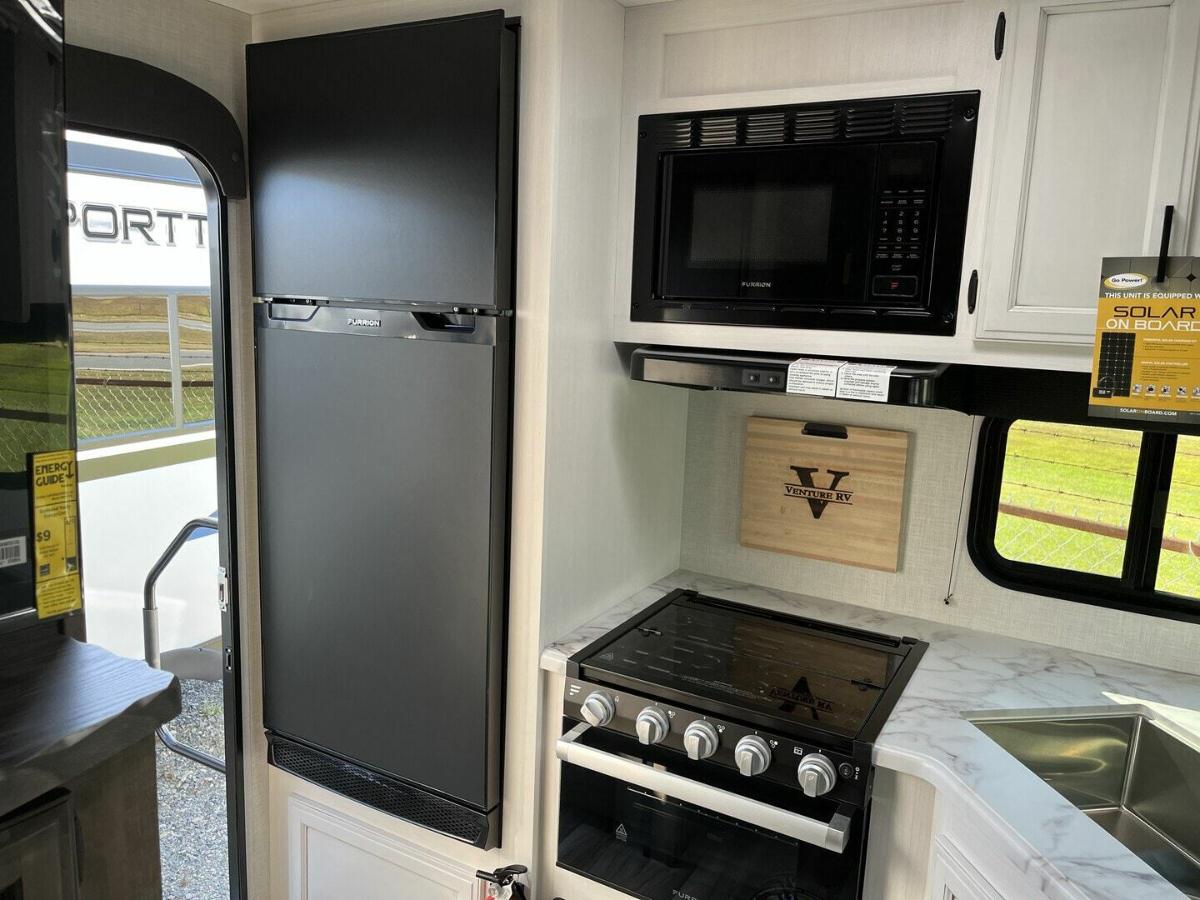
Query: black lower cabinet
(37, 851)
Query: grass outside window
(1090, 513)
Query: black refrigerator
(382, 174)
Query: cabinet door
(1093, 142)
(331, 856)
(953, 878)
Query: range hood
(992, 391)
(910, 384)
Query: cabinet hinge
(998, 38)
(972, 292)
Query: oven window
(654, 846)
(785, 225)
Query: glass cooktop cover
(784, 668)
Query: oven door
(780, 225)
(638, 820)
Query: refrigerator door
(381, 163)
(382, 442)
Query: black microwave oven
(846, 215)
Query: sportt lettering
(818, 498)
(152, 227)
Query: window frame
(1134, 591)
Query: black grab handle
(1168, 217)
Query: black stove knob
(752, 755)
(598, 709)
(816, 775)
(652, 725)
(700, 739)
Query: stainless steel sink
(1125, 771)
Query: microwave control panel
(902, 221)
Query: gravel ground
(191, 801)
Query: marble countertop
(927, 735)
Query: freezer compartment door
(383, 512)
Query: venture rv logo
(1125, 281)
(818, 498)
(364, 323)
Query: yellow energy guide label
(55, 499)
(1146, 360)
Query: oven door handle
(831, 835)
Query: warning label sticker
(55, 498)
(839, 378)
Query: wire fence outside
(1066, 501)
(143, 361)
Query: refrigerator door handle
(432, 321)
(381, 322)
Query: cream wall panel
(812, 51)
(614, 448)
(938, 450)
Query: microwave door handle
(831, 835)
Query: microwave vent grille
(816, 125)
(676, 133)
(806, 125)
(931, 116)
(718, 131)
(871, 121)
(766, 128)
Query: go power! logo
(818, 497)
(1126, 281)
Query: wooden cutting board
(826, 492)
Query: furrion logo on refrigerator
(818, 497)
(364, 323)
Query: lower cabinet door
(953, 878)
(37, 851)
(334, 857)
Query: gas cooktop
(792, 675)
(709, 746)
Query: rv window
(1101, 515)
(1178, 566)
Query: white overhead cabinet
(1095, 138)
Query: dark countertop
(67, 706)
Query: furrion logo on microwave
(818, 498)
